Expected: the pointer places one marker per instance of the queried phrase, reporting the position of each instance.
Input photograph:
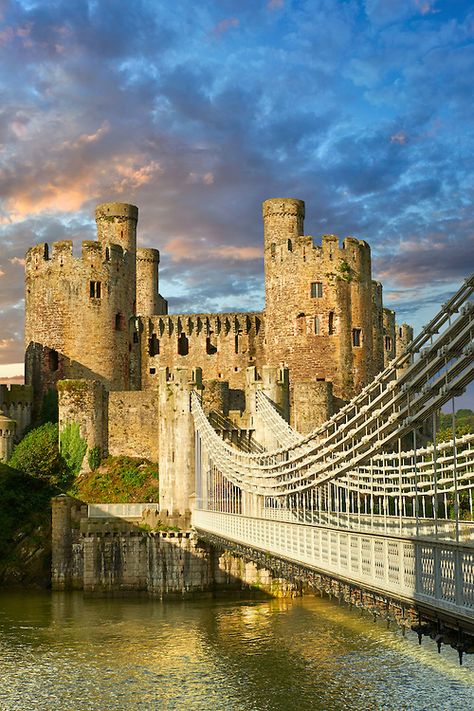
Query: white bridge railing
(435, 573)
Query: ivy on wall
(73, 447)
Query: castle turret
(117, 224)
(149, 300)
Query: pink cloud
(425, 7)
(181, 248)
(86, 138)
(275, 4)
(400, 138)
(225, 25)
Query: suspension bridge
(372, 497)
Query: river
(64, 651)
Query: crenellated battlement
(15, 394)
(205, 324)
(43, 257)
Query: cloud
(275, 4)
(225, 25)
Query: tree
(38, 455)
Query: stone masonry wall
(133, 419)
(116, 557)
(222, 345)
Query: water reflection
(62, 651)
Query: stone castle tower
(79, 311)
(323, 312)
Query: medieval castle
(99, 324)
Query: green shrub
(94, 458)
(38, 455)
(73, 447)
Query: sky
(198, 111)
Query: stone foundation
(117, 557)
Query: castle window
(400, 332)
(94, 289)
(153, 345)
(135, 337)
(290, 245)
(53, 360)
(388, 343)
(356, 337)
(183, 345)
(273, 249)
(119, 322)
(331, 323)
(316, 326)
(152, 371)
(107, 254)
(210, 347)
(316, 289)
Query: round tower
(7, 437)
(117, 224)
(283, 220)
(149, 301)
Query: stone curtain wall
(134, 424)
(222, 345)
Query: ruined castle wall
(377, 326)
(78, 311)
(319, 307)
(222, 345)
(133, 420)
(7, 437)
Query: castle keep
(99, 323)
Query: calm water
(61, 651)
